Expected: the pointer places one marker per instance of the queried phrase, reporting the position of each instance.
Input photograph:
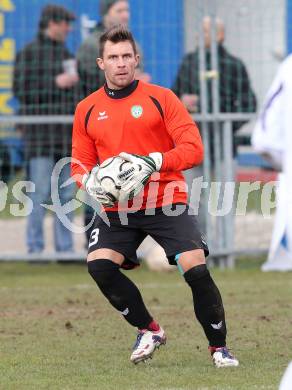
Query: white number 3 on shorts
(93, 237)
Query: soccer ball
(111, 173)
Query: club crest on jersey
(136, 111)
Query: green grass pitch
(58, 332)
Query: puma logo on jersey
(217, 326)
(102, 115)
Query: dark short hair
(116, 34)
(55, 13)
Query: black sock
(120, 291)
(208, 304)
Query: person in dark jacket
(45, 82)
(235, 92)
(112, 12)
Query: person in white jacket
(272, 138)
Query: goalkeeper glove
(144, 167)
(93, 187)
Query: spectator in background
(44, 81)
(236, 94)
(112, 12)
(235, 91)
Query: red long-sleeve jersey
(141, 118)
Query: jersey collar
(121, 93)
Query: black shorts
(125, 232)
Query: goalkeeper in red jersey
(148, 126)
